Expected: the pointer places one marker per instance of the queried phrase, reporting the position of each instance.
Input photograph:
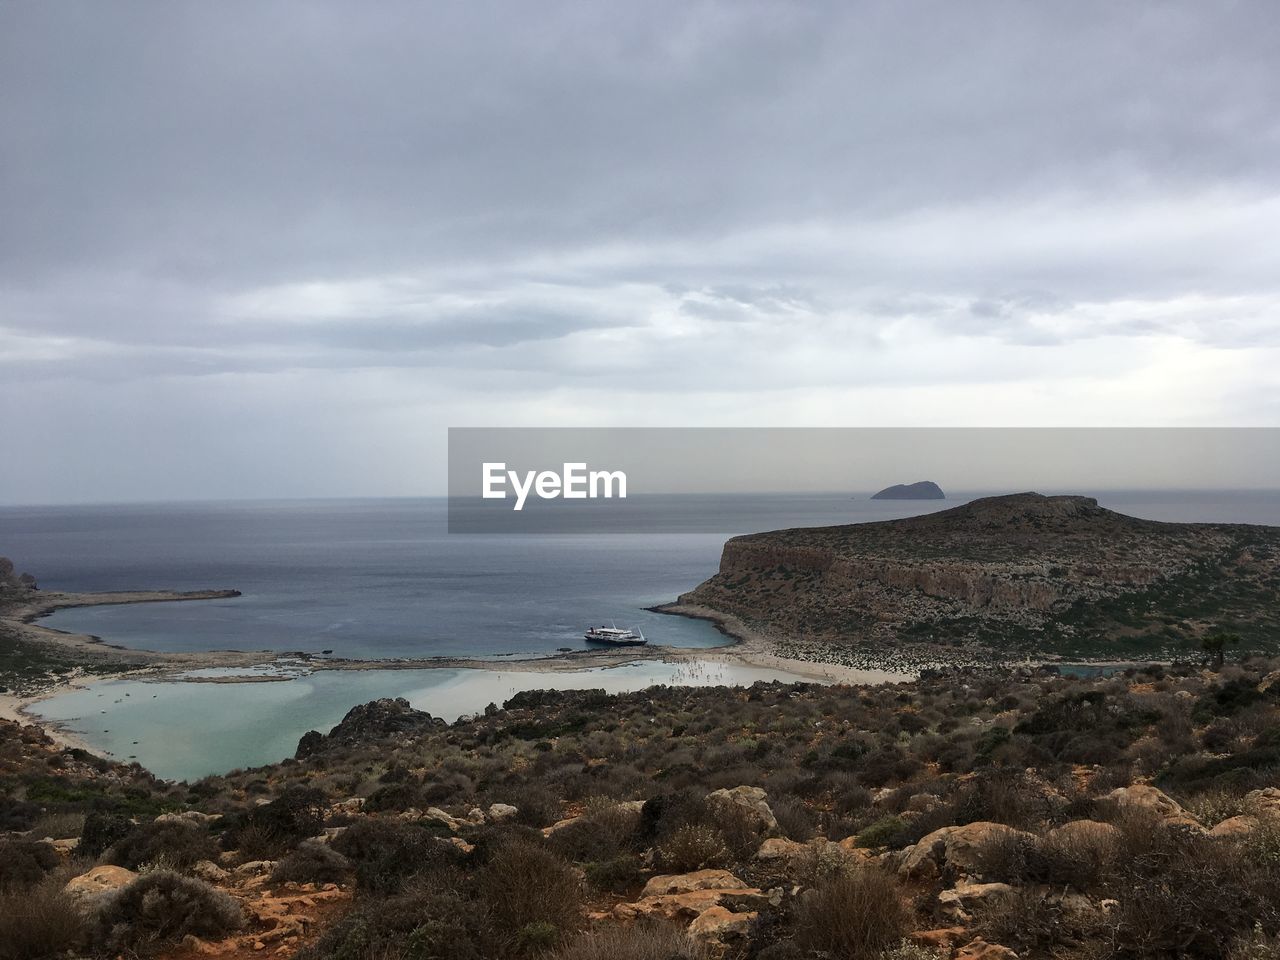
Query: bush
(604, 834)
(420, 925)
(312, 863)
(171, 843)
(24, 863)
(651, 941)
(691, 847)
(524, 884)
(268, 830)
(388, 854)
(163, 906)
(39, 922)
(101, 829)
(853, 915)
(617, 875)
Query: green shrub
(423, 924)
(881, 833)
(101, 829)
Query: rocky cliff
(1024, 572)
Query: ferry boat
(615, 637)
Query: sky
(276, 249)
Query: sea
(383, 578)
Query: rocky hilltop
(1020, 573)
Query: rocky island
(923, 490)
(1018, 575)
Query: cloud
(304, 227)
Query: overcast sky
(275, 249)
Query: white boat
(615, 637)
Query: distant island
(924, 490)
(1019, 575)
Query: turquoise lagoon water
(183, 730)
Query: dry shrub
(691, 847)
(644, 941)
(312, 863)
(38, 922)
(423, 923)
(604, 834)
(163, 906)
(173, 843)
(525, 884)
(24, 863)
(853, 915)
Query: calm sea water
(382, 578)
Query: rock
(189, 816)
(435, 813)
(718, 923)
(683, 906)
(64, 847)
(350, 805)
(1092, 832)
(209, 871)
(943, 940)
(954, 847)
(688, 882)
(502, 811)
(1235, 826)
(1264, 802)
(254, 867)
(368, 723)
(752, 801)
(1143, 796)
(559, 825)
(921, 490)
(981, 950)
(89, 891)
(779, 848)
(957, 902)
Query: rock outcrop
(368, 723)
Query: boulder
(942, 940)
(90, 891)
(209, 871)
(1264, 802)
(502, 811)
(1092, 832)
(752, 801)
(981, 950)
(779, 848)
(954, 847)
(957, 903)
(688, 882)
(1235, 826)
(189, 816)
(719, 923)
(1143, 796)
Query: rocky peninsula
(1016, 576)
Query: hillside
(1019, 574)
(973, 815)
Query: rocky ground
(1013, 576)
(968, 815)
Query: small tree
(1215, 645)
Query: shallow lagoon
(182, 730)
